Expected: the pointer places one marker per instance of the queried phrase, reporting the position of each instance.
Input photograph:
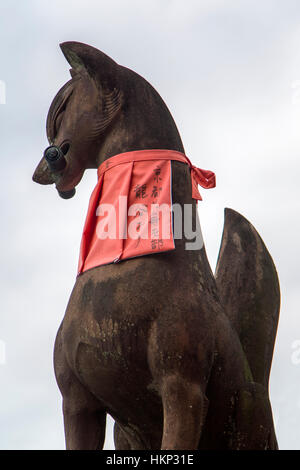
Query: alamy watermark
(2, 352)
(2, 92)
(295, 356)
(149, 222)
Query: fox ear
(87, 59)
(106, 75)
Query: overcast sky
(229, 72)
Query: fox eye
(58, 121)
(60, 114)
(57, 110)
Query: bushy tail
(249, 290)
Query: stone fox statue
(179, 357)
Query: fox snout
(42, 174)
(53, 162)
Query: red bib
(130, 209)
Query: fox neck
(144, 123)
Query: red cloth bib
(130, 209)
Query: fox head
(80, 114)
(105, 109)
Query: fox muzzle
(56, 163)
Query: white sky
(229, 72)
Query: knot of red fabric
(205, 178)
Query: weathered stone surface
(248, 284)
(150, 340)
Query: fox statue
(178, 356)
